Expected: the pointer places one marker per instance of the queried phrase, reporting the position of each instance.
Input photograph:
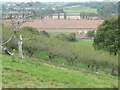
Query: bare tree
(16, 21)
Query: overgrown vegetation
(54, 48)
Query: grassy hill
(31, 73)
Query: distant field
(84, 10)
(78, 9)
(74, 6)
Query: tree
(107, 9)
(90, 33)
(45, 33)
(58, 11)
(72, 37)
(58, 15)
(65, 15)
(49, 12)
(16, 21)
(107, 36)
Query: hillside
(59, 45)
(27, 73)
(56, 72)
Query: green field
(31, 73)
(79, 8)
(84, 10)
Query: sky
(51, 0)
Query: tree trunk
(51, 16)
(20, 49)
(92, 67)
(97, 68)
(58, 15)
(119, 73)
(113, 71)
(69, 61)
(51, 57)
(80, 15)
(88, 66)
(65, 15)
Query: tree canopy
(107, 36)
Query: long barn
(64, 25)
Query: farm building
(65, 25)
(76, 26)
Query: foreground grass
(27, 73)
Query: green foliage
(90, 34)
(62, 37)
(42, 13)
(70, 37)
(107, 36)
(59, 10)
(45, 33)
(107, 9)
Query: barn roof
(64, 24)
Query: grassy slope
(27, 73)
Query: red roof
(13, 12)
(64, 24)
